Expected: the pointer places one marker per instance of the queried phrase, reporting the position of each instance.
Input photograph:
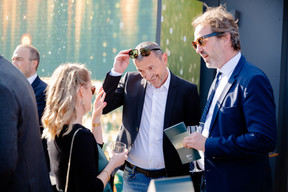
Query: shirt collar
(32, 78)
(167, 82)
(229, 67)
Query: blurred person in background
(27, 59)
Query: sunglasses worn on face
(201, 40)
(143, 51)
(93, 89)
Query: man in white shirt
(153, 99)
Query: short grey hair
(150, 45)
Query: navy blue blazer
(39, 87)
(242, 133)
(182, 105)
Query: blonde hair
(220, 20)
(61, 98)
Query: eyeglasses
(201, 40)
(144, 52)
(93, 89)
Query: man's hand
(195, 140)
(121, 61)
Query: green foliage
(177, 34)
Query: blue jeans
(134, 181)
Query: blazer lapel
(140, 102)
(225, 91)
(35, 82)
(170, 100)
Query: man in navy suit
(153, 99)
(22, 161)
(26, 58)
(239, 128)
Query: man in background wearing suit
(239, 118)
(22, 161)
(26, 58)
(153, 99)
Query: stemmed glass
(118, 147)
(192, 129)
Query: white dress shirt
(32, 78)
(226, 71)
(147, 150)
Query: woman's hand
(117, 159)
(99, 105)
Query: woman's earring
(82, 103)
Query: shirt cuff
(114, 73)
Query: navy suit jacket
(39, 87)
(242, 133)
(22, 162)
(182, 105)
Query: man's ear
(35, 64)
(227, 39)
(165, 58)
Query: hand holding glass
(118, 147)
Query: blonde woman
(69, 95)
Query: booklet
(176, 134)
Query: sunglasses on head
(143, 51)
(93, 89)
(201, 40)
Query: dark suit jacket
(242, 133)
(39, 87)
(22, 163)
(182, 105)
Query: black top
(84, 160)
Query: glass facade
(90, 32)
